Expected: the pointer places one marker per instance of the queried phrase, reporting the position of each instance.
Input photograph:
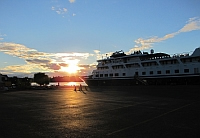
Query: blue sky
(56, 36)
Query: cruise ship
(143, 68)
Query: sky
(66, 37)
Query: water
(63, 84)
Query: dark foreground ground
(138, 112)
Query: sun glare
(72, 66)
(71, 69)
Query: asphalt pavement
(135, 112)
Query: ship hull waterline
(131, 81)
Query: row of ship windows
(144, 73)
(110, 75)
(132, 66)
(154, 63)
(167, 72)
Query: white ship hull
(147, 69)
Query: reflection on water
(63, 84)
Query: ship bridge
(154, 56)
(118, 54)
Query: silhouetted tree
(41, 78)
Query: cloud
(53, 8)
(59, 10)
(38, 61)
(97, 54)
(64, 10)
(17, 49)
(192, 24)
(27, 68)
(87, 69)
(46, 62)
(2, 36)
(141, 44)
(72, 1)
(96, 51)
(53, 66)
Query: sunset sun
(71, 69)
(72, 66)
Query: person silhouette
(80, 87)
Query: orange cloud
(37, 61)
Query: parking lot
(101, 112)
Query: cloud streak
(192, 24)
(72, 1)
(141, 44)
(39, 60)
(59, 10)
(2, 36)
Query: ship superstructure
(147, 68)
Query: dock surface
(142, 111)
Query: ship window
(167, 71)
(106, 75)
(196, 70)
(124, 74)
(183, 60)
(151, 72)
(111, 75)
(97, 75)
(3, 78)
(159, 72)
(136, 73)
(116, 74)
(186, 70)
(176, 71)
(101, 75)
(143, 73)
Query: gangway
(140, 80)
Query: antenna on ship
(100, 51)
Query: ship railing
(186, 54)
